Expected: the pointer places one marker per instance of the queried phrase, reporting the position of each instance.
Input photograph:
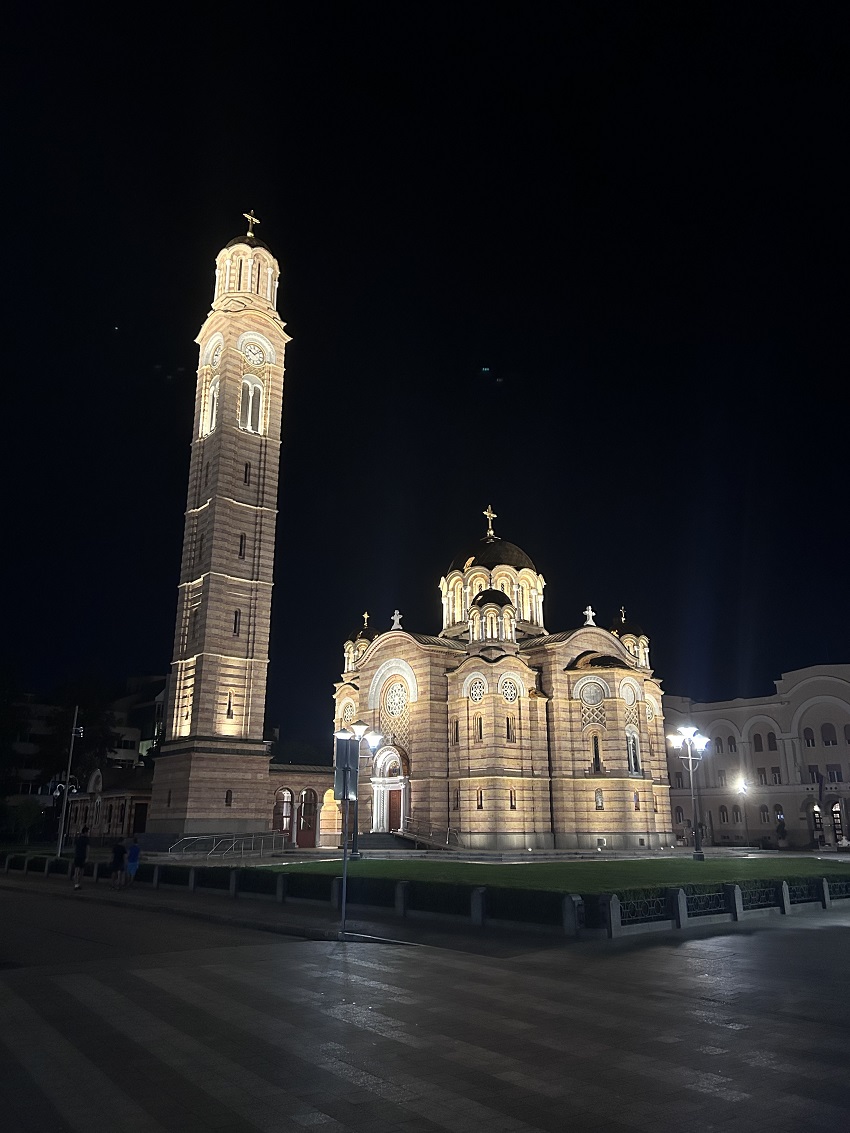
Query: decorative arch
(216, 340)
(477, 674)
(388, 763)
(395, 667)
(630, 682)
(591, 678)
(252, 405)
(806, 705)
(261, 340)
(95, 783)
(754, 721)
(516, 678)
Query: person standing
(133, 855)
(119, 853)
(81, 849)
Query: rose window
(348, 713)
(396, 699)
(592, 693)
(510, 690)
(628, 694)
(476, 690)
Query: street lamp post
(75, 732)
(742, 791)
(346, 784)
(696, 744)
(361, 731)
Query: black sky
(632, 214)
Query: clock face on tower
(254, 354)
(216, 358)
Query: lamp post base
(355, 856)
(698, 856)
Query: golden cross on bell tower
(252, 220)
(491, 515)
(365, 619)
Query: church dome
(490, 595)
(622, 625)
(491, 551)
(251, 241)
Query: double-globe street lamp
(346, 787)
(696, 744)
(743, 787)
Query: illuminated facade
(499, 734)
(777, 770)
(213, 772)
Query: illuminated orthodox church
(498, 734)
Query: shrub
(174, 875)
(212, 877)
(145, 872)
(313, 886)
(379, 891)
(532, 906)
(440, 897)
(257, 881)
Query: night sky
(584, 262)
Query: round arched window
(348, 713)
(396, 698)
(592, 693)
(628, 694)
(510, 690)
(477, 688)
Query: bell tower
(212, 774)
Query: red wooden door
(395, 810)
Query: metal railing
(439, 836)
(230, 845)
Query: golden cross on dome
(491, 515)
(365, 619)
(252, 220)
(623, 614)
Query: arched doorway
(308, 813)
(837, 821)
(282, 814)
(390, 791)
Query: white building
(777, 761)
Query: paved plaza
(122, 1020)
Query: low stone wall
(633, 912)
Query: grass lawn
(583, 877)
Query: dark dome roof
(622, 625)
(491, 552)
(251, 241)
(491, 595)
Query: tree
(26, 815)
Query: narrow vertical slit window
(229, 712)
(247, 477)
(479, 800)
(237, 622)
(513, 800)
(242, 542)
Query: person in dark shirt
(119, 853)
(81, 849)
(133, 856)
